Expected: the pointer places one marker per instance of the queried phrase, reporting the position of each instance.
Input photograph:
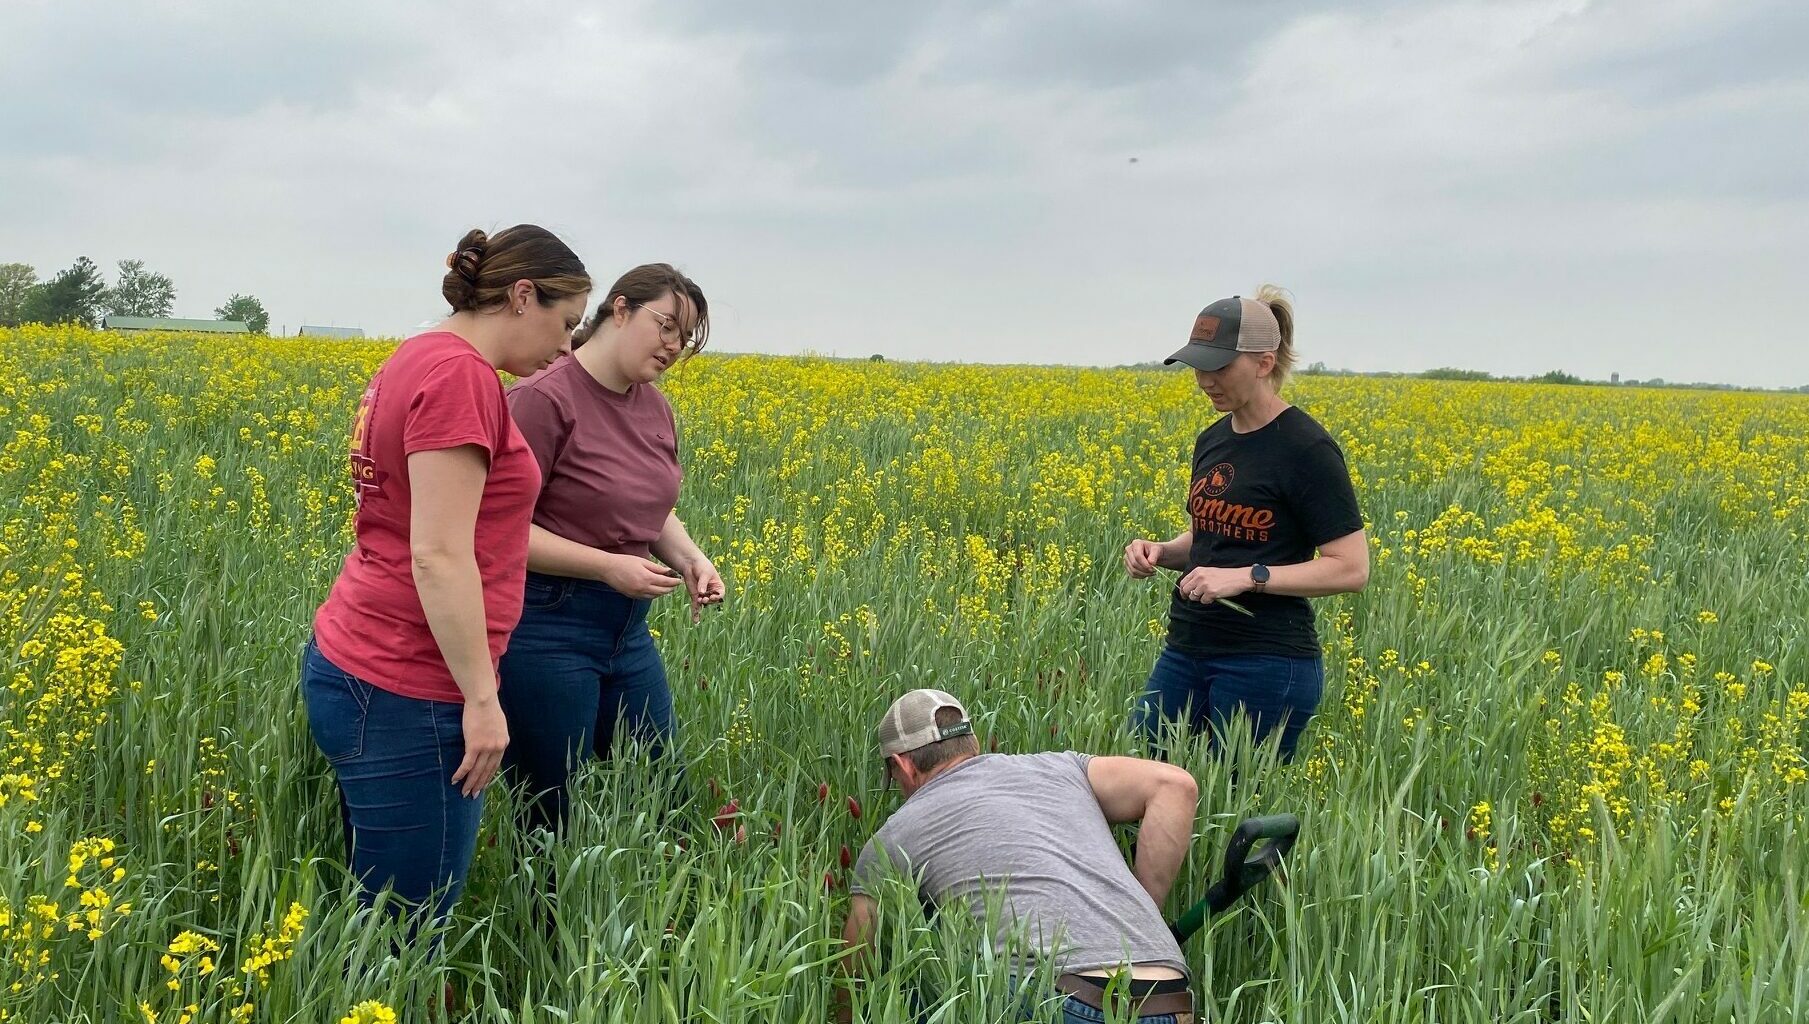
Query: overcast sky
(1514, 186)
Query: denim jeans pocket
(544, 592)
(338, 705)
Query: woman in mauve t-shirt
(399, 678)
(582, 663)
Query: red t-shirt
(608, 460)
(435, 392)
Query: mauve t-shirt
(608, 461)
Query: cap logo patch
(1204, 328)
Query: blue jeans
(580, 665)
(407, 827)
(1073, 1011)
(1076, 1012)
(1275, 692)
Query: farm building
(329, 332)
(170, 323)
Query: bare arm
(1341, 568)
(447, 486)
(556, 556)
(1163, 798)
(560, 556)
(1174, 551)
(674, 545)
(857, 936)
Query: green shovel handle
(1243, 870)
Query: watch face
(1259, 573)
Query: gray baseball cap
(911, 722)
(1224, 329)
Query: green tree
(247, 309)
(138, 292)
(16, 283)
(74, 296)
(1454, 373)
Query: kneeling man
(1036, 831)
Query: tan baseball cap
(911, 722)
(1224, 329)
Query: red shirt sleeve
(544, 426)
(460, 402)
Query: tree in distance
(17, 280)
(75, 296)
(247, 309)
(139, 292)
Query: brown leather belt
(1134, 998)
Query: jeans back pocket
(338, 705)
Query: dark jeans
(580, 664)
(1273, 691)
(1076, 1012)
(407, 827)
(1073, 1011)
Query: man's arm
(857, 935)
(1163, 798)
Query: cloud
(1512, 186)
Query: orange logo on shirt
(1211, 513)
(366, 476)
(1217, 480)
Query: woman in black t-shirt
(1269, 489)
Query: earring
(520, 310)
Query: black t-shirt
(1271, 496)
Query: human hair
(1281, 303)
(928, 756)
(483, 268)
(644, 284)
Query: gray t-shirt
(1028, 827)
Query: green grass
(885, 526)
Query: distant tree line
(80, 295)
(1548, 377)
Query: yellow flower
(369, 1012)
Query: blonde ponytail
(1281, 303)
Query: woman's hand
(638, 577)
(1141, 558)
(486, 737)
(705, 585)
(1211, 583)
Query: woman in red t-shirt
(400, 677)
(582, 663)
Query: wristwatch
(1259, 575)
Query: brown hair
(930, 755)
(1281, 303)
(647, 283)
(481, 270)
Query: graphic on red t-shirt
(367, 476)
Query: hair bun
(469, 256)
(463, 265)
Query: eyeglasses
(671, 329)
